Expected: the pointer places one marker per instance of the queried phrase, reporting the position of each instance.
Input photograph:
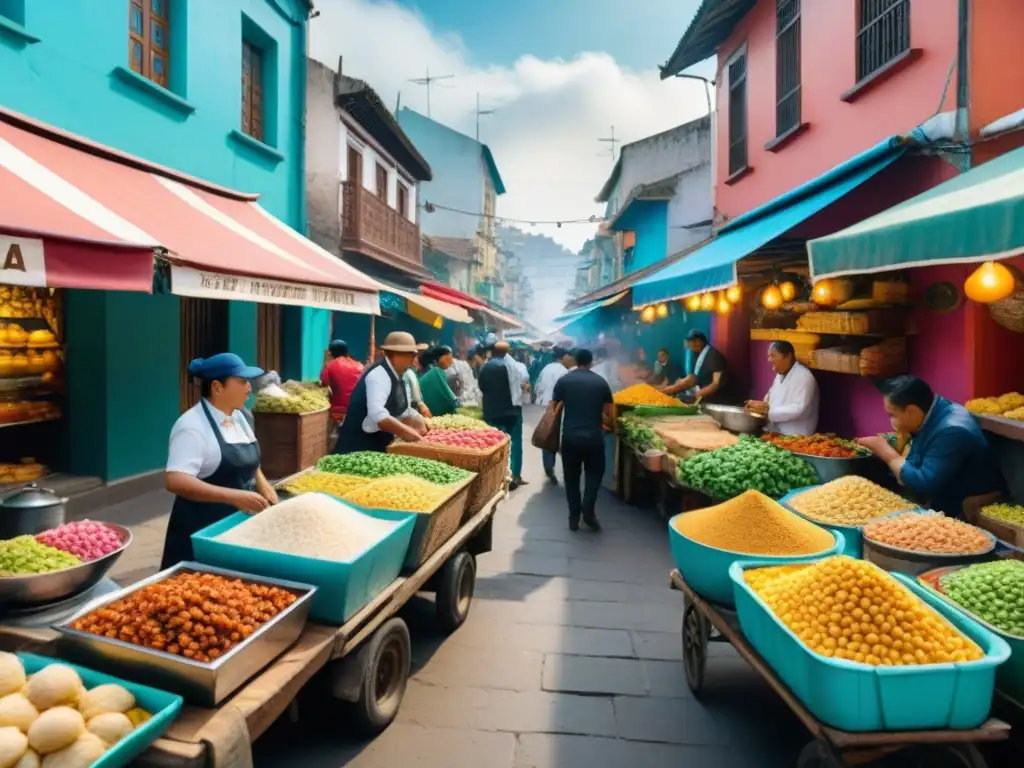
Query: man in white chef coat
(791, 405)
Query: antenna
(428, 81)
(611, 141)
(481, 112)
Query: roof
(459, 248)
(711, 25)
(485, 151)
(609, 185)
(362, 102)
(660, 190)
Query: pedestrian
(587, 412)
(545, 390)
(411, 380)
(340, 374)
(437, 394)
(501, 384)
(607, 369)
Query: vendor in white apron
(709, 379)
(791, 405)
(213, 461)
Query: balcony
(372, 228)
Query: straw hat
(399, 341)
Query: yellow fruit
(404, 493)
(644, 394)
(325, 482)
(849, 501)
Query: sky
(559, 73)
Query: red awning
(97, 215)
(445, 293)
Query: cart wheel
(455, 585)
(384, 678)
(695, 647)
(818, 754)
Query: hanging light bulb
(693, 302)
(707, 301)
(733, 294)
(771, 297)
(990, 282)
(662, 310)
(648, 314)
(822, 293)
(723, 307)
(788, 290)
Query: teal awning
(714, 265)
(567, 318)
(977, 216)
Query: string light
(788, 290)
(822, 293)
(692, 303)
(648, 314)
(707, 302)
(990, 282)
(430, 207)
(733, 294)
(662, 310)
(771, 297)
(723, 306)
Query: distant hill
(550, 267)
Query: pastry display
(24, 472)
(16, 411)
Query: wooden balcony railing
(371, 227)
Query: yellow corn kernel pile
(849, 501)
(404, 493)
(851, 609)
(325, 482)
(644, 394)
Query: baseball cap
(695, 335)
(221, 365)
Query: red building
(805, 87)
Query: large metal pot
(735, 418)
(30, 511)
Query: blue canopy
(714, 266)
(568, 317)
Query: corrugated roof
(460, 248)
(711, 25)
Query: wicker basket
(1008, 532)
(1009, 312)
(491, 466)
(837, 360)
(434, 528)
(291, 442)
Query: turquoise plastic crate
(163, 707)
(706, 569)
(343, 588)
(860, 698)
(852, 534)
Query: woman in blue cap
(213, 462)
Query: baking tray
(202, 684)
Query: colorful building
(204, 98)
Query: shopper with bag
(547, 432)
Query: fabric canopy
(427, 309)
(90, 211)
(977, 216)
(713, 266)
(588, 308)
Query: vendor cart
(705, 623)
(364, 663)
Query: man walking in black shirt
(587, 411)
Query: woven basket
(491, 466)
(291, 442)
(1009, 312)
(1008, 532)
(434, 528)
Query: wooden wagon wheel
(695, 647)
(818, 754)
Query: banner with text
(22, 261)
(197, 283)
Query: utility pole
(480, 112)
(611, 141)
(428, 81)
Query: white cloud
(550, 112)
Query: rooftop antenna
(480, 112)
(428, 81)
(611, 141)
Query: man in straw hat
(379, 409)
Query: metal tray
(829, 469)
(199, 683)
(39, 588)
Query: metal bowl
(832, 469)
(39, 588)
(735, 418)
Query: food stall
(293, 425)
(310, 586)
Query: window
(149, 39)
(252, 90)
(268, 336)
(883, 34)
(402, 199)
(355, 167)
(382, 182)
(204, 332)
(787, 65)
(737, 69)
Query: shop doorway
(268, 337)
(204, 332)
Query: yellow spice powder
(753, 524)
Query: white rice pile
(310, 525)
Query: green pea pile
(371, 464)
(991, 591)
(749, 465)
(24, 555)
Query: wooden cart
(705, 623)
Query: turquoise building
(211, 88)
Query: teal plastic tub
(343, 587)
(706, 569)
(860, 698)
(853, 535)
(163, 707)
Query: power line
(428, 81)
(430, 207)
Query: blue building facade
(169, 81)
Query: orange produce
(924, 532)
(644, 394)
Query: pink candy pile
(86, 540)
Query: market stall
(293, 424)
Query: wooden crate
(434, 528)
(291, 442)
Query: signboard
(22, 262)
(197, 283)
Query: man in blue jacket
(949, 462)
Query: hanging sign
(22, 262)
(197, 283)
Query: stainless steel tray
(202, 684)
(39, 588)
